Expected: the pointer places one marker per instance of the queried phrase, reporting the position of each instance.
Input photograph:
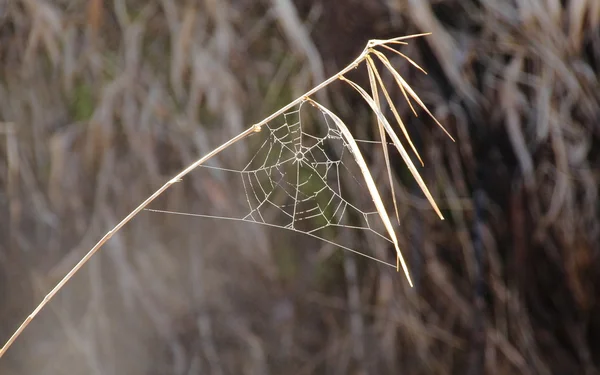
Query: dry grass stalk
(384, 127)
(375, 90)
(370, 183)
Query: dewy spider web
(314, 168)
(296, 181)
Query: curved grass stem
(255, 128)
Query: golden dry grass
(385, 131)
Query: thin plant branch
(386, 155)
(368, 50)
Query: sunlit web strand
(272, 226)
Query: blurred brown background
(102, 101)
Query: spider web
(298, 181)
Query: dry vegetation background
(103, 100)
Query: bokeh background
(102, 101)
